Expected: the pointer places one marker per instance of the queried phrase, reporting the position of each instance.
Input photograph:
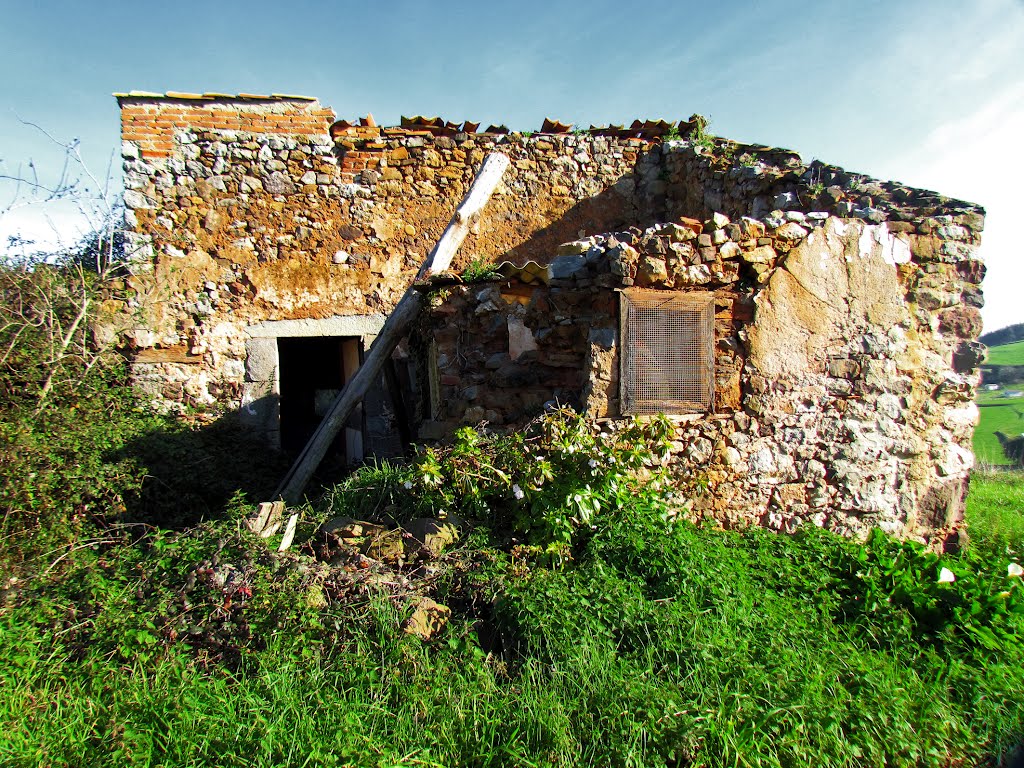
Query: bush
(550, 482)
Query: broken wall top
(253, 207)
(663, 170)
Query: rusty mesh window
(668, 351)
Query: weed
(701, 137)
(479, 271)
(549, 482)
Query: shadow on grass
(193, 472)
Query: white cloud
(977, 157)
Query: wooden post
(395, 327)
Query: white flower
(408, 485)
(517, 491)
(593, 463)
(1014, 569)
(946, 576)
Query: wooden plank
(466, 214)
(350, 354)
(289, 533)
(395, 327)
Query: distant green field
(996, 418)
(999, 413)
(1006, 354)
(999, 397)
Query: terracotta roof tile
(210, 96)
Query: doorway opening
(313, 370)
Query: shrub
(549, 482)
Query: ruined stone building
(811, 331)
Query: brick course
(151, 120)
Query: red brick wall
(150, 120)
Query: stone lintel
(339, 325)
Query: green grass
(1006, 354)
(654, 646)
(995, 511)
(1002, 417)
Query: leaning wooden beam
(395, 327)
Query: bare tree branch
(48, 296)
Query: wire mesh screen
(668, 360)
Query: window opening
(668, 351)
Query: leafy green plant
(701, 137)
(976, 601)
(550, 481)
(479, 270)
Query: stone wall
(846, 308)
(239, 213)
(843, 391)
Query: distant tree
(1007, 335)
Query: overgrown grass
(655, 644)
(995, 512)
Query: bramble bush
(65, 409)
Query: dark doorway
(313, 370)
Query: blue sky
(930, 93)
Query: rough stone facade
(846, 309)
